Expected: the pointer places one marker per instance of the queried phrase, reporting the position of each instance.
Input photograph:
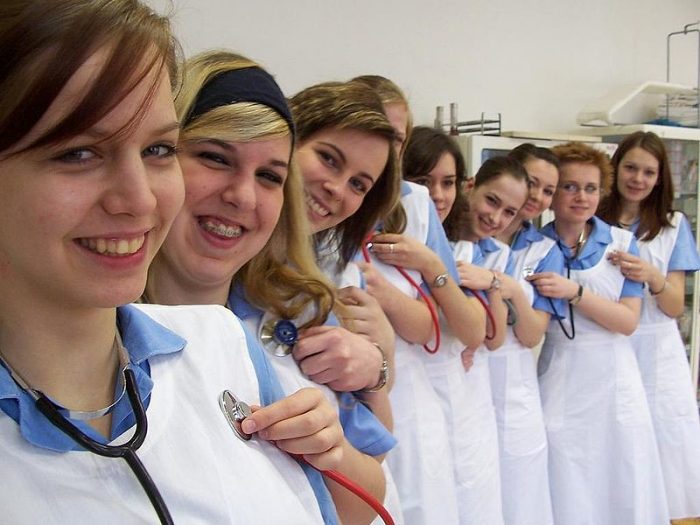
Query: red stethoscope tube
(353, 487)
(423, 295)
(488, 311)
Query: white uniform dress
(666, 376)
(604, 465)
(205, 473)
(521, 435)
(422, 460)
(479, 472)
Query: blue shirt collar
(600, 236)
(142, 337)
(239, 305)
(487, 245)
(525, 236)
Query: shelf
(665, 132)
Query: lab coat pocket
(523, 432)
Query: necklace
(80, 415)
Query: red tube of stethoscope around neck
(431, 307)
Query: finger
(292, 406)
(352, 295)
(313, 444)
(386, 238)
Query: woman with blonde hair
(242, 240)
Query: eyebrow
(340, 154)
(102, 134)
(230, 147)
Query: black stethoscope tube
(126, 451)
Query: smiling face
(233, 199)
(83, 219)
(493, 205)
(578, 194)
(339, 167)
(441, 182)
(543, 184)
(637, 175)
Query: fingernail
(248, 425)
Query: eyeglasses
(574, 189)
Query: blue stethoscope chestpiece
(528, 271)
(235, 412)
(279, 336)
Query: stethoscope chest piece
(279, 336)
(235, 412)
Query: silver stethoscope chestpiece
(528, 271)
(279, 336)
(235, 412)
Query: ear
(469, 185)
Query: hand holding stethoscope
(338, 358)
(363, 315)
(634, 268)
(554, 285)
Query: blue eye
(160, 151)
(77, 156)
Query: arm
(617, 316)
(531, 323)
(345, 362)
(306, 424)
(409, 317)
(463, 314)
(475, 277)
(668, 289)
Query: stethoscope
(236, 411)
(366, 247)
(128, 450)
(278, 336)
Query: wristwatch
(440, 280)
(577, 298)
(495, 283)
(383, 373)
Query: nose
(131, 188)
(535, 194)
(334, 186)
(240, 192)
(436, 193)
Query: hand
(404, 251)
(304, 423)
(468, 358)
(474, 277)
(634, 268)
(340, 359)
(551, 284)
(509, 286)
(364, 315)
(376, 284)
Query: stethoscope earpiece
(235, 412)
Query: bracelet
(495, 282)
(652, 292)
(383, 373)
(577, 298)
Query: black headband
(251, 84)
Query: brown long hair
(654, 211)
(350, 105)
(44, 42)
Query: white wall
(538, 62)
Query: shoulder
(193, 320)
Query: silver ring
(391, 248)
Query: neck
(66, 353)
(629, 212)
(165, 287)
(507, 235)
(570, 233)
